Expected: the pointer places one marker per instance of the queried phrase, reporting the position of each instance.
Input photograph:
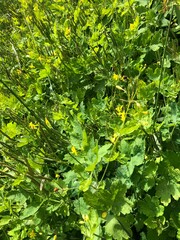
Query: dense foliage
(89, 119)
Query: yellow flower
(32, 234)
(123, 116)
(119, 110)
(67, 32)
(19, 71)
(73, 150)
(28, 19)
(113, 138)
(57, 175)
(121, 113)
(47, 123)
(40, 58)
(31, 66)
(115, 77)
(33, 126)
(134, 26)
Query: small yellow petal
(19, 71)
(115, 77)
(119, 110)
(134, 26)
(40, 58)
(57, 175)
(67, 32)
(113, 138)
(47, 122)
(123, 116)
(33, 126)
(73, 150)
(32, 234)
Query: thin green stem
(162, 69)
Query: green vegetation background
(89, 119)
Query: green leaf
(76, 14)
(30, 210)
(146, 91)
(115, 229)
(76, 135)
(65, 62)
(91, 167)
(16, 196)
(177, 10)
(166, 189)
(151, 223)
(3, 208)
(11, 129)
(151, 207)
(5, 220)
(127, 130)
(100, 200)
(39, 88)
(84, 185)
(125, 147)
(22, 142)
(147, 183)
(142, 2)
(36, 164)
(18, 180)
(126, 222)
(92, 228)
(44, 73)
(57, 116)
(103, 151)
(15, 232)
(120, 204)
(84, 139)
(155, 47)
(96, 154)
(137, 153)
(127, 206)
(154, 74)
(167, 63)
(80, 207)
(113, 157)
